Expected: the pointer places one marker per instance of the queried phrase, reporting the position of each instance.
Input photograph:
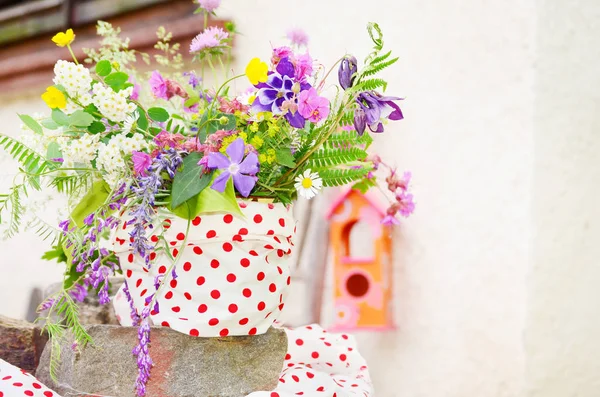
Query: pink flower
(213, 38)
(141, 162)
(303, 66)
(390, 220)
(209, 5)
(313, 107)
(165, 139)
(158, 85)
(406, 206)
(135, 93)
(279, 53)
(175, 89)
(298, 37)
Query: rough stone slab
(90, 310)
(21, 343)
(184, 366)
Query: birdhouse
(362, 267)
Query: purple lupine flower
(373, 109)
(278, 88)
(141, 351)
(347, 72)
(242, 170)
(79, 293)
(135, 318)
(146, 190)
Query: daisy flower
(308, 184)
(130, 122)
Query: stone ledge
(21, 343)
(184, 366)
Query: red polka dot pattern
(14, 382)
(230, 268)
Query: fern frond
(376, 68)
(329, 158)
(376, 35)
(56, 334)
(342, 176)
(69, 310)
(369, 85)
(365, 184)
(32, 162)
(381, 58)
(13, 200)
(70, 184)
(44, 230)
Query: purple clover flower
(242, 170)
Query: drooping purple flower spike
(243, 170)
(373, 110)
(347, 72)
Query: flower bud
(296, 88)
(223, 120)
(347, 72)
(360, 121)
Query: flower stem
(72, 53)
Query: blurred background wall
(497, 271)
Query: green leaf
(96, 127)
(158, 114)
(189, 180)
(57, 252)
(191, 101)
(142, 121)
(209, 200)
(91, 202)
(116, 80)
(49, 124)
(80, 118)
(285, 157)
(207, 127)
(103, 68)
(59, 117)
(31, 123)
(53, 151)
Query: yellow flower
(256, 71)
(262, 158)
(257, 142)
(63, 39)
(54, 98)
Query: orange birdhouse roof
(344, 196)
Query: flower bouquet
(185, 187)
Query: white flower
(80, 150)
(75, 79)
(113, 105)
(111, 154)
(308, 184)
(247, 98)
(130, 122)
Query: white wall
(502, 243)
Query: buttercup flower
(308, 184)
(312, 106)
(256, 71)
(54, 98)
(212, 39)
(298, 37)
(63, 39)
(242, 170)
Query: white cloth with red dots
(15, 382)
(231, 272)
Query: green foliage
(44, 230)
(209, 200)
(170, 51)
(79, 118)
(376, 35)
(93, 200)
(284, 157)
(368, 85)
(347, 138)
(375, 68)
(365, 184)
(116, 80)
(103, 68)
(96, 127)
(219, 121)
(339, 177)
(189, 180)
(142, 121)
(329, 158)
(158, 114)
(31, 161)
(31, 123)
(71, 184)
(56, 253)
(60, 117)
(12, 201)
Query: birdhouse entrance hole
(357, 285)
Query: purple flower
(79, 292)
(298, 37)
(64, 226)
(279, 88)
(213, 38)
(279, 53)
(193, 80)
(373, 109)
(58, 160)
(405, 202)
(135, 93)
(390, 220)
(312, 106)
(242, 170)
(158, 85)
(88, 220)
(347, 72)
(209, 5)
(141, 162)
(141, 351)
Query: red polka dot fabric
(15, 382)
(232, 272)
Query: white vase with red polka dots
(232, 272)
